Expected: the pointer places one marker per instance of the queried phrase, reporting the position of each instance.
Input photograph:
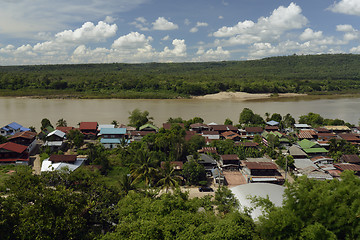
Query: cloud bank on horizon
(52, 32)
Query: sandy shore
(245, 96)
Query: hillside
(316, 74)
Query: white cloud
(179, 49)
(344, 28)
(109, 19)
(219, 54)
(167, 37)
(220, 17)
(162, 24)
(26, 17)
(187, 21)
(355, 50)
(198, 24)
(309, 34)
(133, 40)
(141, 23)
(350, 7)
(88, 33)
(269, 28)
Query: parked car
(205, 189)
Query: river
(29, 112)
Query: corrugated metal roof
(88, 125)
(110, 141)
(13, 147)
(260, 165)
(57, 133)
(121, 131)
(62, 158)
(348, 166)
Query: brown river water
(29, 112)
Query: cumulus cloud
(309, 34)
(355, 50)
(141, 23)
(350, 7)
(198, 24)
(88, 33)
(350, 33)
(344, 28)
(269, 28)
(133, 40)
(162, 24)
(219, 54)
(179, 49)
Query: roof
(229, 157)
(337, 128)
(105, 126)
(304, 163)
(350, 158)
(321, 130)
(65, 129)
(110, 141)
(350, 137)
(273, 191)
(210, 133)
(208, 150)
(307, 134)
(230, 135)
(88, 125)
(272, 123)
(315, 150)
(199, 125)
(204, 158)
(347, 166)
(26, 134)
(13, 147)
(254, 129)
(320, 158)
(167, 126)
(271, 128)
(53, 143)
(148, 125)
(260, 165)
(306, 144)
(57, 133)
(300, 125)
(14, 125)
(62, 158)
(296, 151)
(114, 131)
(223, 128)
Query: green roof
(304, 144)
(148, 125)
(315, 150)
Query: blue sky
(94, 31)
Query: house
(12, 128)
(26, 138)
(266, 172)
(89, 129)
(350, 137)
(229, 162)
(135, 136)
(199, 127)
(308, 168)
(206, 160)
(65, 130)
(211, 135)
(300, 126)
(322, 160)
(218, 176)
(296, 152)
(307, 134)
(148, 127)
(311, 148)
(55, 140)
(223, 128)
(348, 166)
(338, 129)
(230, 135)
(13, 153)
(250, 132)
(350, 158)
(271, 128)
(112, 137)
(105, 126)
(57, 162)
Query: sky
(136, 31)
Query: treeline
(296, 74)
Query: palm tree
(61, 123)
(115, 123)
(126, 183)
(169, 179)
(143, 168)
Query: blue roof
(24, 129)
(110, 140)
(112, 131)
(14, 125)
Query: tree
(225, 200)
(193, 172)
(138, 118)
(76, 138)
(228, 121)
(276, 117)
(314, 208)
(246, 116)
(61, 123)
(168, 177)
(115, 123)
(45, 123)
(144, 167)
(288, 121)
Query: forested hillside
(318, 74)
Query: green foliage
(75, 137)
(138, 118)
(193, 172)
(45, 123)
(61, 123)
(225, 200)
(228, 121)
(247, 117)
(338, 147)
(316, 210)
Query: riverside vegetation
(128, 198)
(312, 74)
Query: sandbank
(245, 96)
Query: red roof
(260, 165)
(13, 147)
(229, 157)
(210, 133)
(62, 158)
(347, 166)
(306, 134)
(26, 134)
(65, 129)
(254, 129)
(88, 125)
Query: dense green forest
(315, 74)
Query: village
(267, 153)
